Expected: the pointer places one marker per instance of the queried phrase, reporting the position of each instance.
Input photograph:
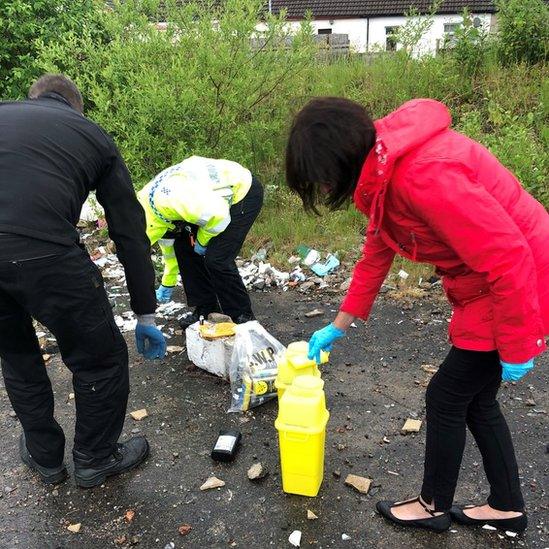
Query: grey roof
(296, 9)
(373, 8)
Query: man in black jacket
(51, 157)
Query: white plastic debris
(295, 538)
(510, 534)
(403, 274)
(212, 356)
(488, 527)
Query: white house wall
(367, 35)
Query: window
(451, 28)
(324, 31)
(390, 38)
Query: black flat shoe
(515, 524)
(436, 523)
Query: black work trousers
(65, 293)
(463, 394)
(213, 281)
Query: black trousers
(65, 293)
(463, 393)
(214, 281)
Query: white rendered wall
(367, 37)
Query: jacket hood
(403, 130)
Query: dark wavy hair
(328, 144)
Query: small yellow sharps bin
(301, 425)
(295, 363)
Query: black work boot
(244, 317)
(49, 475)
(203, 310)
(126, 457)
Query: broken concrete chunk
(129, 515)
(311, 515)
(138, 415)
(211, 483)
(314, 312)
(295, 538)
(184, 529)
(257, 472)
(411, 426)
(74, 528)
(361, 484)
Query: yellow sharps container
(295, 363)
(301, 425)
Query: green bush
(194, 88)
(523, 30)
(26, 27)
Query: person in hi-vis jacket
(200, 211)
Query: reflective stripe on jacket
(199, 191)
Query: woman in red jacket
(433, 195)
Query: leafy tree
(26, 26)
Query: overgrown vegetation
(227, 90)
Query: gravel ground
(373, 383)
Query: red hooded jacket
(436, 196)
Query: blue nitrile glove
(164, 294)
(514, 372)
(323, 340)
(150, 341)
(199, 249)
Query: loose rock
(257, 471)
(411, 426)
(361, 484)
(184, 529)
(314, 312)
(138, 415)
(311, 515)
(74, 528)
(211, 483)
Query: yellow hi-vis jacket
(199, 191)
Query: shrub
(523, 30)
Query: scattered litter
(226, 445)
(138, 415)
(311, 515)
(211, 483)
(394, 473)
(129, 515)
(345, 537)
(453, 531)
(71, 396)
(429, 368)
(175, 349)
(361, 484)
(257, 471)
(295, 538)
(510, 534)
(74, 528)
(46, 358)
(184, 529)
(411, 426)
(386, 440)
(330, 264)
(488, 527)
(314, 312)
(403, 274)
(125, 325)
(169, 310)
